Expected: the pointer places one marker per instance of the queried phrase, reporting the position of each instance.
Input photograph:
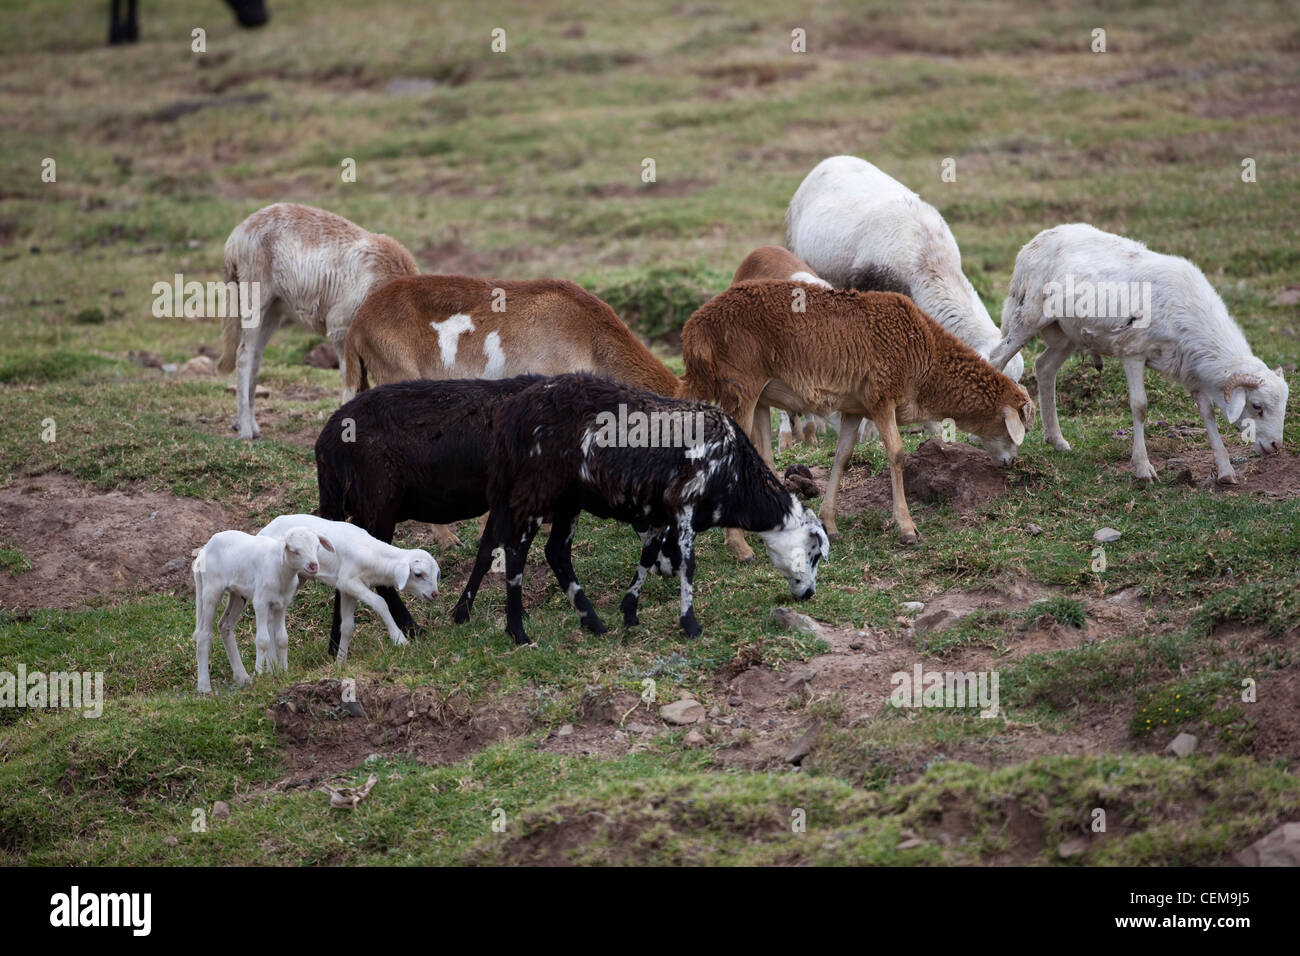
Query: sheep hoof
(1060, 444)
(461, 614)
(1228, 477)
(690, 626)
(594, 624)
(833, 535)
(908, 537)
(785, 442)
(1144, 471)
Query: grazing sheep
(359, 563)
(411, 451)
(439, 327)
(773, 262)
(861, 229)
(1082, 288)
(872, 354)
(310, 266)
(263, 570)
(577, 442)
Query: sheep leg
(1059, 348)
(686, 542)
(487, 545)
(559, 554)
(843, 452)
(1137, 400)
(264, 643)
(785, 433)
(810, 430)
(1205, 405)
(248, 362)
(651, 540)
(204, 611)
(745, 412)
(887, 425)
(348, 607)
(234, 608)
(516, 555)
(761, 434)
(1013, 342)
(280, 632)
(377, 603)
(445, 537)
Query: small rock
(934, 620)
(147, 359)
(221, 810)
(685, 695)
(197, 367)
(372, 758)
(1105, 535)
(175, 564)
(1033, 529)
(170, 841)
(566, 730)
(636, 727)
(1072, 848)
(910, 844)
(1288, 296)
(715, 710)
(787, 619)
(169, 368)
(803, 746)
(323, 355)
(1279, 848)
(682, 712)
(912, 607)
(735, 702)
(353, 708)
(1184, 745)
(693, 739)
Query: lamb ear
(324, 542)
(1236, 404)
(1278, 372)
(1015, 427)
(401, 571)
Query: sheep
(1082, 288)
(580, 443)
(309, 265)
(263, 570)
(873, 354)
(410, 451)
(451, 326)
(862, 229)
(773, 262)
(359, 563)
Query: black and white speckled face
(796, 548)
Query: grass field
(528, 162)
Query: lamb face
(421, 573)
(796, 547)
(1003, 435)
(302, 550)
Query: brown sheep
(773, 262)
(865, 354)
(452, 327)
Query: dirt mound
(81, 543)
(1275, 476)
(322, 738)
(939, 471)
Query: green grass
(529, 163)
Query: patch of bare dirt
(1284, 100)
(83, 543)
(322, 739)
(1274, 476)
(954, 472)
(453, 257)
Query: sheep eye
(1257, 406)
(418, 574)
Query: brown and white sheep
(773, 262)
(310, 266)
(865, 354)
(459, 327)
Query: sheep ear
(1236, 404)
(1015, 427)
(324, 542)
(1278, 372)
(401, 571)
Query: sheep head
(302, 548)
(1256, 403)
(795, 548)
(419, 571)
(1003, 432)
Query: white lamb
(359, 564)
(859, 228)
(1082, 288)
(263, 570)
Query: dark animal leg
(516, 556)
(559, 554)
(651, 542)
(686, 541)
(487, 543)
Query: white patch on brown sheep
(496, 358)
(449, 333)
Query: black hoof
(691, 626)
(594, 624)
(460, 614)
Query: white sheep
(859, 228)
(1082, 288)
(263, 570)
(306, 265)
(359, 564)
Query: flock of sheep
(467, 397)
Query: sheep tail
(230, 324)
